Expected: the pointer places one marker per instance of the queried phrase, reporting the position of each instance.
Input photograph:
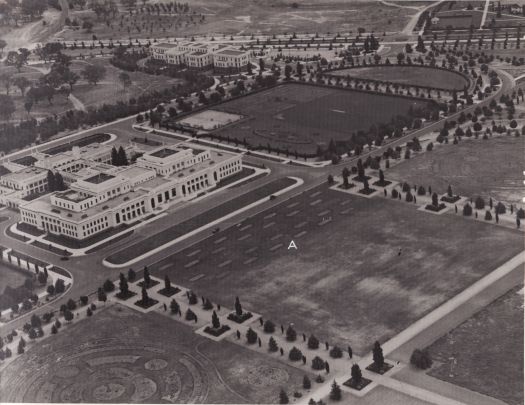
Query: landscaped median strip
(208, 219)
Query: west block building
(202, 56)
(19, 182)
(108, 197)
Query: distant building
(23, 182)
(104, 196)
(202, 56)
(434, 20)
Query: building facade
(202, 56)
(105, 198)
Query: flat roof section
(164, 153)
(99, 178)
(71, 195)
(230, 52)
(166, 45)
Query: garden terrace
(301, 117)
(409, 75)
(347, 265)
(148, 358)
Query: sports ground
(347, 269)
(408, 75)
(299, 117)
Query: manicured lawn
(300, 117)
(88, 140)
(408, 75)
(485, 353)
(178, 230)
(345, 282)
(121, 355)
(490, 168)
(11, 277)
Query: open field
(120, 355)
(490, 168)
(346, 270)
(463, 19)
(485, 353)
(238, 16)
(11, 277)
(300, 117)
(409, 75)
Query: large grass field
(346, 282)
(242, 17)
(120, 355)
(485, 353)
(409, 75)
(300, 117)
(490, 168)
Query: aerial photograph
(310, 202)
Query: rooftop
(230, 52)
(43, 204)
(71, 195)
(166, 45)
(24, 174)
(99, 178)
(164, 153)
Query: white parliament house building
(103, 196)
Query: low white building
(108, 198)
(17, 185)
(202, 56)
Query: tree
(467, 210)
(291, 334)
(108, 286)
(356, 374)
(238, 307)
(59, 182)
(251, 336)
(22, 83)
(174, 306)
(421, 359)
(377, 351)
(147, 278)
(51, 181)
(68, 315)
(479, 203)
(216, 323)
(3, 44)
(71, 304)
(54, 330)
(272, 345)
(122, 158)
(283, 397)
(449, 191)
(287, 71)
(307, 384)
(125, 80)
(7, 106)
(101, 295)
(318, 363)
(123, 286)
(167, 283)
(336, 352)
(295, 354)
(335, 392)
(346, 174)
(132, 275)
(269, 326)
(313, 342)
(145, 297)
(435, 201)
(20, 349)
(94, 73)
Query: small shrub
(295, 354)
(336, 352)
(313, 342)
(421, 359)
(269, 326)
(318, 363)
(467, 210)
